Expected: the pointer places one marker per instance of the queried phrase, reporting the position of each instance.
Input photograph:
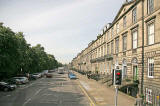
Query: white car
(23, 80)
(37, 75)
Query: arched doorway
(135, 68)
(124, 68)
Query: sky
(63, 27)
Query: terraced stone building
(132, 42)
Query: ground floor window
(104, 67)
(150, 67)
(124, 72)
(107, 67)
(111, 67)
(149, 95)
(135, 73)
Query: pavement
(56, 91)
(101, 95)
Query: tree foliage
(17, 56)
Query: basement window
(149, 95)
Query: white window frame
(151, 33)
(135, 39)
(102, 40)
(112, 29)
(108, 34)
(134, 15)
(97, 53)
(149, 95)
(108, 48)
(124, 42)
(117, 45)
(150, 67)
(112, 47)
(104, 37)
(124, 22)
(104, 50)
(150, 6)
(101, 51)
(117, 28)
(107, 67)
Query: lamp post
(142, 77)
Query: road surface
(56, 91)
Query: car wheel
(6, 89)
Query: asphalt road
(56, 91)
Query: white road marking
(26, 102)
(37, 92)
(31, 97)
(85, 85)
(27, 86)
(47, 94)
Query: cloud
(63, 27)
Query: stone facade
(131, 41)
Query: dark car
(13, 81)
(33, 77)
(6, 87)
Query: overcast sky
(63, 27)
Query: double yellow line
(91, 102)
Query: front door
(135, 73)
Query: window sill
(124, 51)
(150, 77)
(151, 44)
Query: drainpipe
(142, 48)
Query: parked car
(13, 81)
(32, 77)
(45, 72)
(49, 75)
(23, 80)
(38, 75)
(6, 87)
(72, 76)
(42, 74)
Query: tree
(18, 57)
(8, 52)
